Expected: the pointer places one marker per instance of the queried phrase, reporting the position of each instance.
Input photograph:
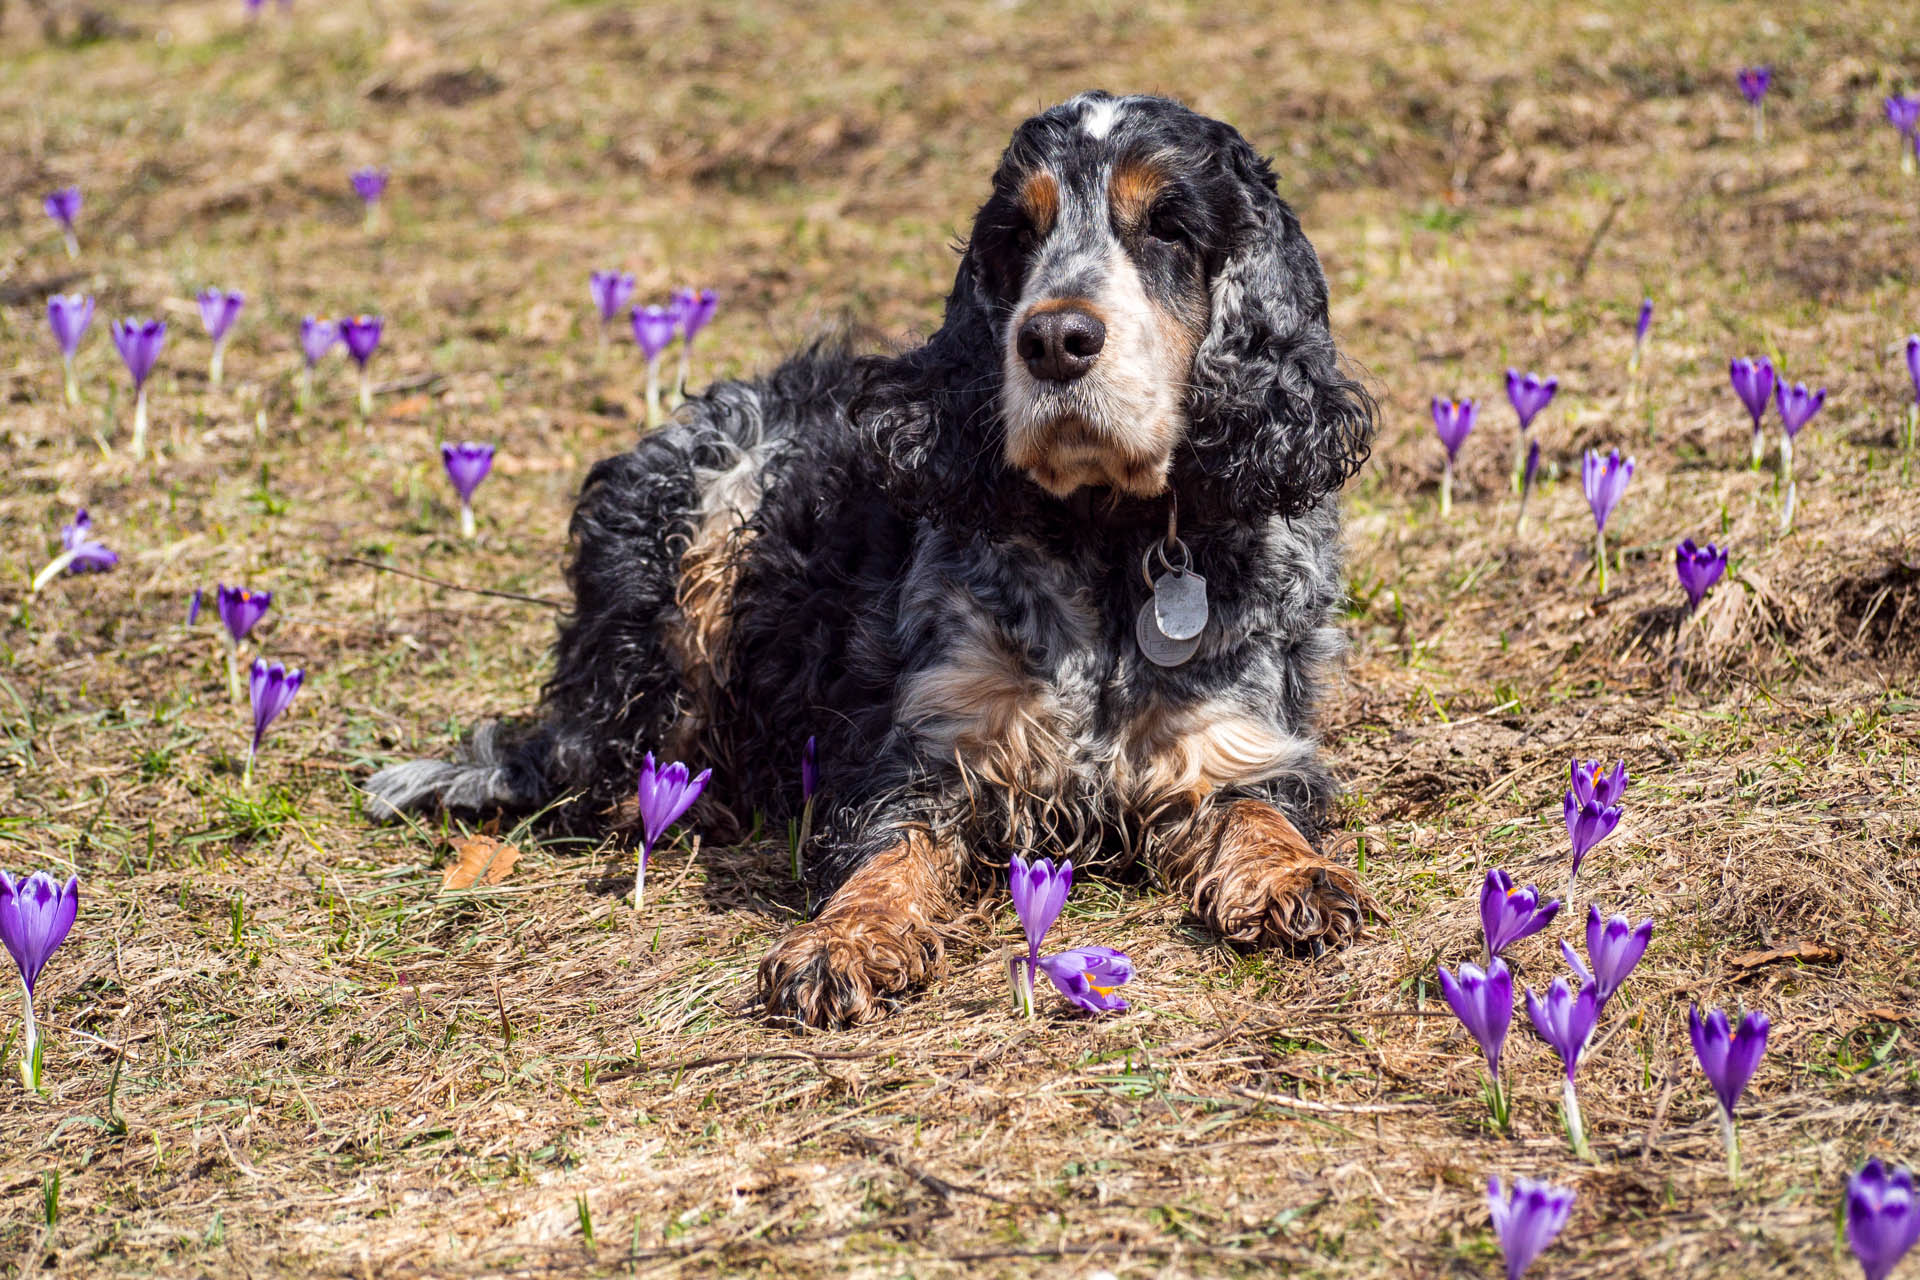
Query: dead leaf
(478, 860)
(1806, 952)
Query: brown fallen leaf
(478, 860)
(1807, 952)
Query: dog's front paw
(1264, 886)
(1300, 905)
(846, 971)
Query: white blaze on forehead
(1098, 118)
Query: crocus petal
(1526, 1220)
(240, 609)
(1483, 1001)
(1088, 976)
(1883, 1221)
(467, 465)
(653, 330)
(35, 916)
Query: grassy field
(279, 1048)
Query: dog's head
(1137, 309)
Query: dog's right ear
(929, 417)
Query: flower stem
(306, 387)
(73, 243)
(53, 570)
(30, 1048)
(1020, 979)
(1446, 489)
(1913, 423)
(140, 423)
(217, 363)
(73, 386)
(1600, 555)
(805, 834)
(467, 528)
(1520, 467)
(366, 393)
(680, 380)
(640, 878)
(1730, 1136)
(1906, 154)
(233, 670)
(373, 208)
(1759, 450)
(1576, 1130)
(246, 775)
(1759, 123)
(1499, 1103)
(653, 392)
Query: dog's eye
(1025, 237)
(1163, 223)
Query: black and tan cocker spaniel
(1061, 580)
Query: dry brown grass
(329, 1066)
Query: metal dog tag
(1180, 604)
(1161, 649)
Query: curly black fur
(878, 523)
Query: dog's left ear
(1274, 424)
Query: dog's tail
(497, 767)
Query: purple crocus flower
(1566, 1020)
(361, 334)
(1903, 113)
(218, 310)
(1614, 946)
(1913, 365)
(666, 792)
(696, 309)
(692, 309)
(1088, 976)
(317, 337)
(1592, 808)
(69, 315)
(1640, 327)
(369, 184)
(35, 916)
(1699, 568)
(809, 770)
(610, 290)
(1883, 1220)
(1039, 889)
(139, 342)
(1604, 480)
(1797, 405)
(193, 605)
(1453, 420)
(79, 553)
(653, 330)
(1529, 394)
(1483, 1001)
(1729, 1056)
(63, 206)
(240, 609)
(467, 465)
(1754, 83)
(1509, 913)
(1753, 381)
(271, 688)
(1527, 1220)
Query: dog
(1062, 580)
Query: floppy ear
(1274, 424)
(928, 418)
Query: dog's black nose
(1061, 345)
